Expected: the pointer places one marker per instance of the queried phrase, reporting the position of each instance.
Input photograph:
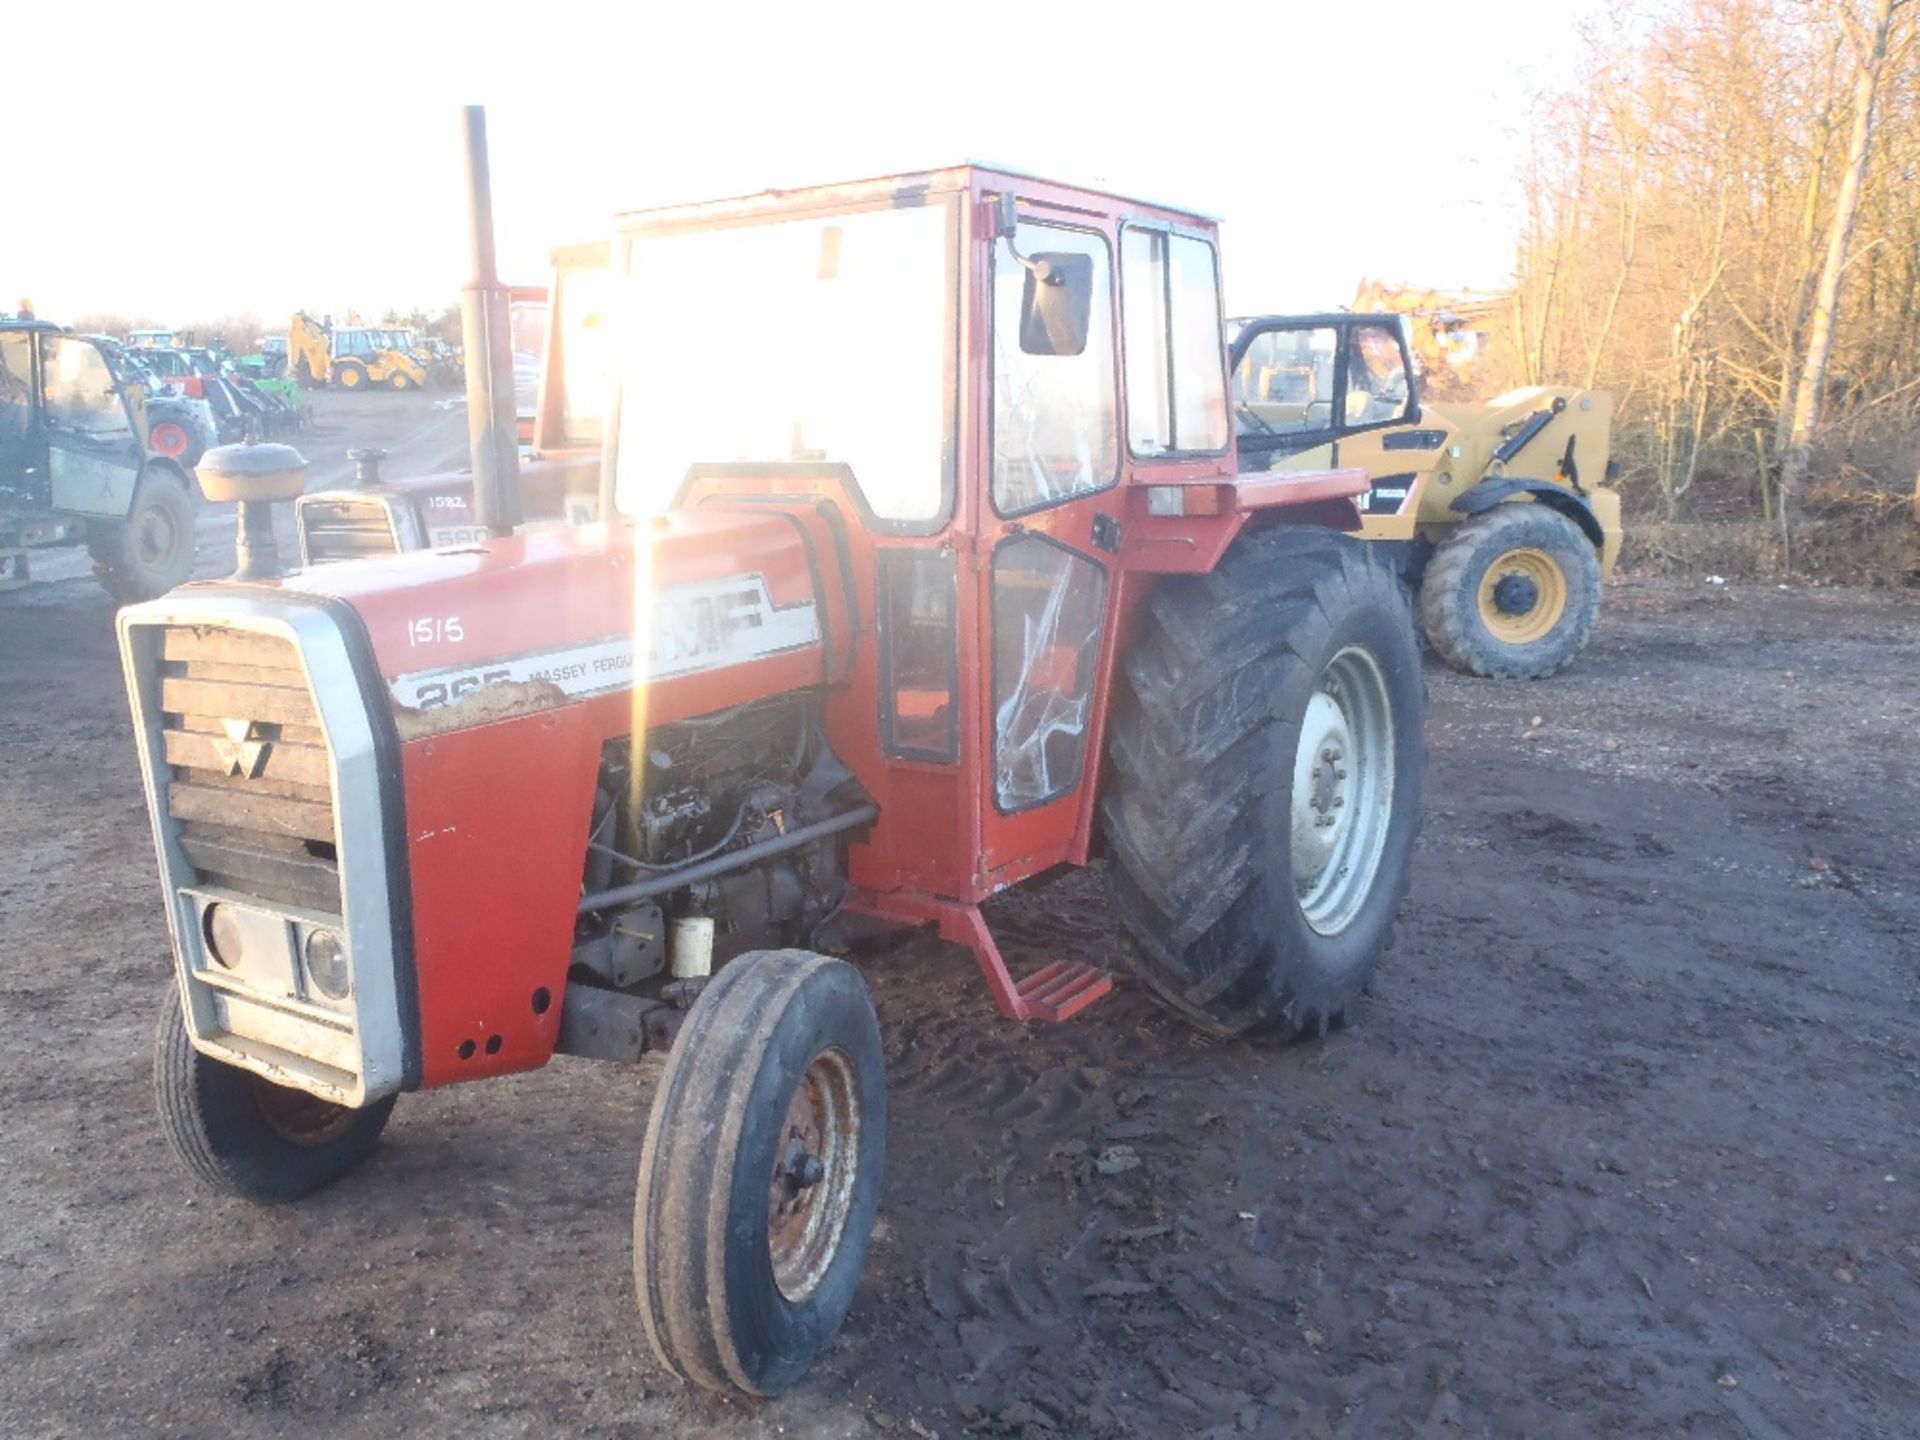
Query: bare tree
(1870, 39)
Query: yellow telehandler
(1507, 533)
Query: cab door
(1107, 368)
(1047, 526)
(94, 446)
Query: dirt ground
(1622, 1144)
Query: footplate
(1056, 991)
(1062, 990)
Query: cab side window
(16, 390)
(1055, 414)
(1376, 376)
(81, 395)
(1176, 381)
(1284, 382)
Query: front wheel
(1267, 755)
(151, 551)
(1512, 593)
(237, 1133)
(400, 380)
(760, 1175)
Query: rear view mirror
(1056, 307)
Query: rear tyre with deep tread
(240, 1134)
(1226, 830)
(741, 1278)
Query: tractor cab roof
(953, 179)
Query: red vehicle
(926, 567)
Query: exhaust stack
(492, 437)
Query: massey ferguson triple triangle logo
(242, 750)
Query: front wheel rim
(816, 1166)
(297, 1117)
(1343, 777)
(1529, 572)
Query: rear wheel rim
(297, 1117)
(1526, 572)
(815, 1170)
(1343, 774)
(169, 439)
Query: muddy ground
(1622, 1144)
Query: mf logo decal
(695, 628)
(242, 749)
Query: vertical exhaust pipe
(491, 430)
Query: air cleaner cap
(252, 472)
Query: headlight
(327, 968)
(222, 931)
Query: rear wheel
(350, 377)
(1513, 593)
(760, 1175)
(1268, 750)
(151, 551)
(236, 1132)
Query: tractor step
(1056, 991)
(1062, 990)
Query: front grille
(248, 783)
(333, 529)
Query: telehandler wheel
(172, 439)
(400, 380)
(350, 377)
(151, 551)
(1267, 748)
(1512, 594)
(238, 1133)
(760, 1174)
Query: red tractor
(925, 568)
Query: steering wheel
(1248, 413)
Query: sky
(265, 158)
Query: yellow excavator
(1498, 509)
(350, 357)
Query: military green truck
(1504, 528)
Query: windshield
(828, 339)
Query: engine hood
(691, 611)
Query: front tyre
(151, 551)
(1267, 749)
(240, 1134)
(1512, 593)
(760, 1175)
(400, 380)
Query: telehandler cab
(1496, 511)
(973, 592)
